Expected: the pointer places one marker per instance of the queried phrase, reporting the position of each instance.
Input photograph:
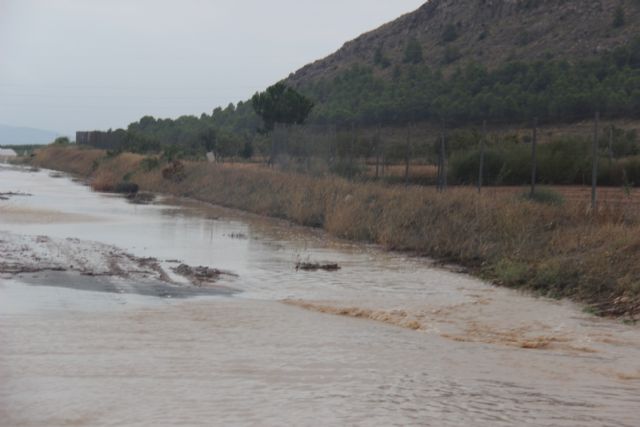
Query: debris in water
(140, 198)
(200, 275)
(238, 236)
(7, 195)
(315, 266)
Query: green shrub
(511, 273)
(618, 17)
(62, 140)
(149, 163)
(450, 33)
(544, 196)
(413, 52)
(346, 168)
(523, 38)
(565, 161)
(503, 165)
(451, 54)
(126, 188)
(555, 279)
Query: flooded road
(386, 340)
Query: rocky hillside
(489, 32)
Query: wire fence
(595, 150)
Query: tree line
(550, 90)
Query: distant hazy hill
(12, 135)
(489, 32)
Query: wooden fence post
(611, 144)
(439, 167)
(377, 148)
(482, 143)
(594, 172)
(534, 160)
(352, 143)
(407, 155)
(443, 159)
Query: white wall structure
(7, 154)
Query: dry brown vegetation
(557, 250)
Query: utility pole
(483, 138)
(594, 172)
(534, 161)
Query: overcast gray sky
(96, 64)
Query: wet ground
(387, 339)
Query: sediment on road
(556, 250)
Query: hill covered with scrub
(455, 62)
(486, 32)
(485, 59)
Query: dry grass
(562, 251)
(398, 171)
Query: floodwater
(389, 339)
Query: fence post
(611, 144)
(407, 156)
(594, 172)
(439, 167)
(443, 157)
(377, 148)
(534, 160)
(481, 168)
(352, 143)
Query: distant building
(92, 138)
(104, 140)
(7, 154)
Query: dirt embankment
(556, 250)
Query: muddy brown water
(386, 340)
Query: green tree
(247, 149)
(208, 137)
(380, 59)
(618, 17)
(450, 33)
(413, 52)
(280, 104)
(62, 140)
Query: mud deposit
(114, 313)
(61, 261)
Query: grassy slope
(561, 251)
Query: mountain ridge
(487, 32)
(22, 135)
